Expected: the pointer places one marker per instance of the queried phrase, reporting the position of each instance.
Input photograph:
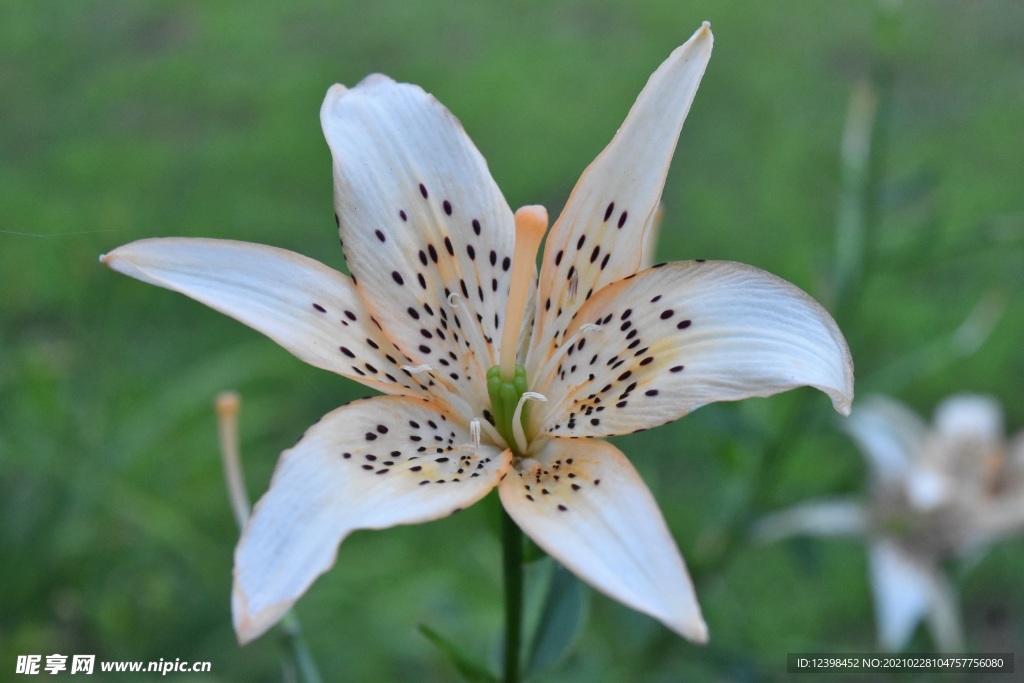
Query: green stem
(297, 647)
(512, 564)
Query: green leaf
(470, 670)
(561, 619)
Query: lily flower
(496, 378)
(937, 493)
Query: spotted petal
(602, 234)
(585, 505)
(675, 337)
(421, 221)
(371, 464)
(306, 307)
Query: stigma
(531, 224)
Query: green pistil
(505, 395)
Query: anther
(416, 369)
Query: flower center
(506, 382)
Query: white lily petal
(680, 335)
(421, 219)
(969, 416)
(371, 464)
(903, 587)
(817, 518)
(585, 505)
(602, 233)
(890, 437)
(944, 616)
(311, 310)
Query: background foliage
(121, 120)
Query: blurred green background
(127, 119)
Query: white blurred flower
(938, 492)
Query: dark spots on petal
(595, 421)
(433, 252)
(666, 314)
(350, 315)
(626, 313)
(656, 299)
(659, 265)
(701, 260)
(558, 257)
(683, 324)
(579, 244)
(506, 263)
(608, 211)
(624, 376)
(424, 348)
(423, 257)
(422, 280)
(380, 235)
(345, 350)
(425, 333)
(381, 429)
(471, 252)
(622, 219)
(337, 220)
(397, 277)
(320, 308)
(562, 507)
(413, 313)
(604, 261)
(620, 404)
(414, 424)
(401, 214)
(367, 467)
(476, 227)
(369, 368)
(423, 190)
(677, 368)
(370, 456)
(447, 206)
(647, 361)
(448, 246)
(594, 254)
(346, 455)
(651, 392)
(370, 436)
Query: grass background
(121, 120)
